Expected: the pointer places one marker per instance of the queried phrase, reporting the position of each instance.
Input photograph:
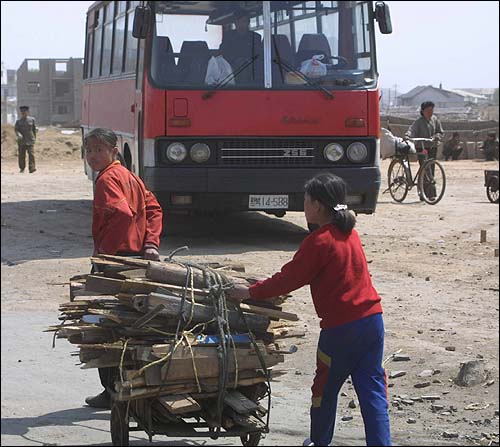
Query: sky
(455, 44)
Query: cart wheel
(251, 439)
(492, 190)
(119, 423)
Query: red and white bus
(300, 99)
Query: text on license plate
(267, 202)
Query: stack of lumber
(172, 335)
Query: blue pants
(354, 349)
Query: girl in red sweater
(332, 261)
(126, 220)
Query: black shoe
(102, 400)
(21, 170)
(32, 170)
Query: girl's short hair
(330, 190)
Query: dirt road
(438, 282)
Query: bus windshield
(197, 45)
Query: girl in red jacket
(332, 261)
(126, 219)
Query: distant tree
(495, 97)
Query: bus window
(118, 45)
(183, 59)
(131, 42)
(88, 56)
(96, 54)
(362, 37)
(107, 39)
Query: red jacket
(126, 216)
(334, 265)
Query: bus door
(137, 151)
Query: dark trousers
(422, 158)
(453, 155)
(108, 377)
(354, 349)
(22, 156)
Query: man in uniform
(26, 135)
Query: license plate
(266, 202)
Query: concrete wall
(54, 96)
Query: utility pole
(395, 93)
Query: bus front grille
(258, 153)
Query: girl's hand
(151, 254)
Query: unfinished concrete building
(52, 88)
(9, 94)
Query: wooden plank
(249, 420)
(207, 386)
(171, 273)
(101, 284)
(286, 332)
(206, 362)
(179, 404)
(132, 273)
(104, 262)
(126, 260)
(271, 313)
(239, 402)
(201, 313)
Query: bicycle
(430, 178)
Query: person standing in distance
(25, 128)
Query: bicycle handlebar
(430, 140)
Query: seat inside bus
(281, 48)
(193, 61)
(311, 45)
(164, 68)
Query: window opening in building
(62, 67)
(33, 87)
(34, 65)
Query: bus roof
(208, 7)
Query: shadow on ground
(61, 229)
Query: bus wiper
(301, 75)
(230, 76)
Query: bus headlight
(357, 152)
(333, 152)
(200, 152)
(176, 152)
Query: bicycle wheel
(398, 186)
(432, 182)
(492, 189)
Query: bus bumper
(215, 189)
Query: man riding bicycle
(427, 126)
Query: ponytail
(344, 220)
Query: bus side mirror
(383, 17)
(141, 22)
